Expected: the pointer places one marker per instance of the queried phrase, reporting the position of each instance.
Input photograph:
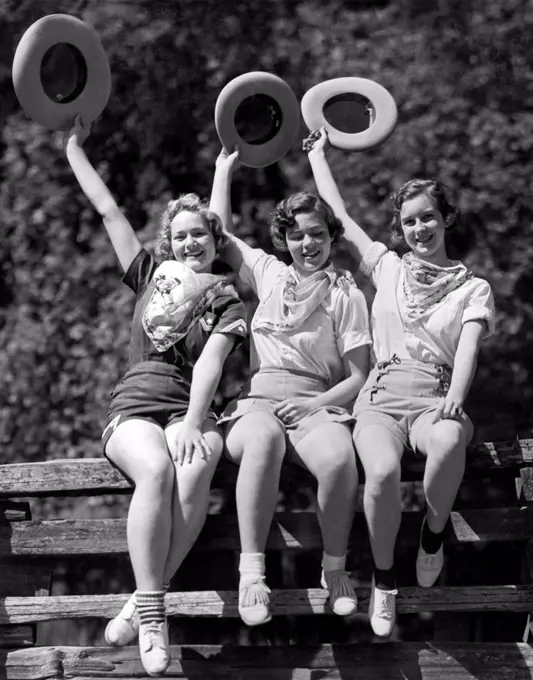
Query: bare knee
(446, 439)
(258, 437)
(157, 473)
(337, 463)
(382, 476)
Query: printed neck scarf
(424, 285)
(292, 300)
(179, 298)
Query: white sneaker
(382, 610)
(342, 597)
(428, 566)
(153, 646)
(124, 627)
(254, 600)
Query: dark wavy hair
(440, 194)
(283, 217)
(188, 203)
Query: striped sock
(151, 606)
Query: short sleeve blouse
(318, 346)
(434, 337)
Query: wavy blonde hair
(188, 203)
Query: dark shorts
(150, 390)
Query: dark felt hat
(60, 70)
(258, 112)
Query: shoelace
(430, 560)
(384, 603)
(339, 584)
(253, 592)
(153, 634)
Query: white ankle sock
(252, 564)
(331, 563)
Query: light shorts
(266, 389)
(403, 395)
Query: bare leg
(191, 496)
(256, 442)
(139, 448)
(444, 445)
(381, 453)
(328, 453)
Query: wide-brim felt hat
(60, 70)
(259, 112)
(341, 101)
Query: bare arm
(123, 238)
(327, 188)
(206, 376)
(464, 368)
(356, 366)
(220, 203)
(205, 379)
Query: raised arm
(237, 250)
(123, 238)
(327, 188)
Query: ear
(450, 220)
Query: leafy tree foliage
(460, 73)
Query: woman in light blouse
(309, 357)
(428, 319)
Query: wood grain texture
(96, 476)
(404, 661)
(289, 531)
(223, 604)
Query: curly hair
(188, 203)
(439, 193)
(283, 217)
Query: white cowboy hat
(365, 127)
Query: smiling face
(192, 242)
(309, 242)
(424, 227)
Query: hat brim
(233, 95)
(385, 112)
(34, 44)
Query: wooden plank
(289, 531)
(96, 476)
(223, 604)
(406, 661)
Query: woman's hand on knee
(448, 409)
(189, 442)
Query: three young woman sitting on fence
(309, 362)
(429, 317)
(160, 429)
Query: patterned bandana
(424, 285)
(179, 299)
(291, 300)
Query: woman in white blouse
(309, 357)
(428, 319)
